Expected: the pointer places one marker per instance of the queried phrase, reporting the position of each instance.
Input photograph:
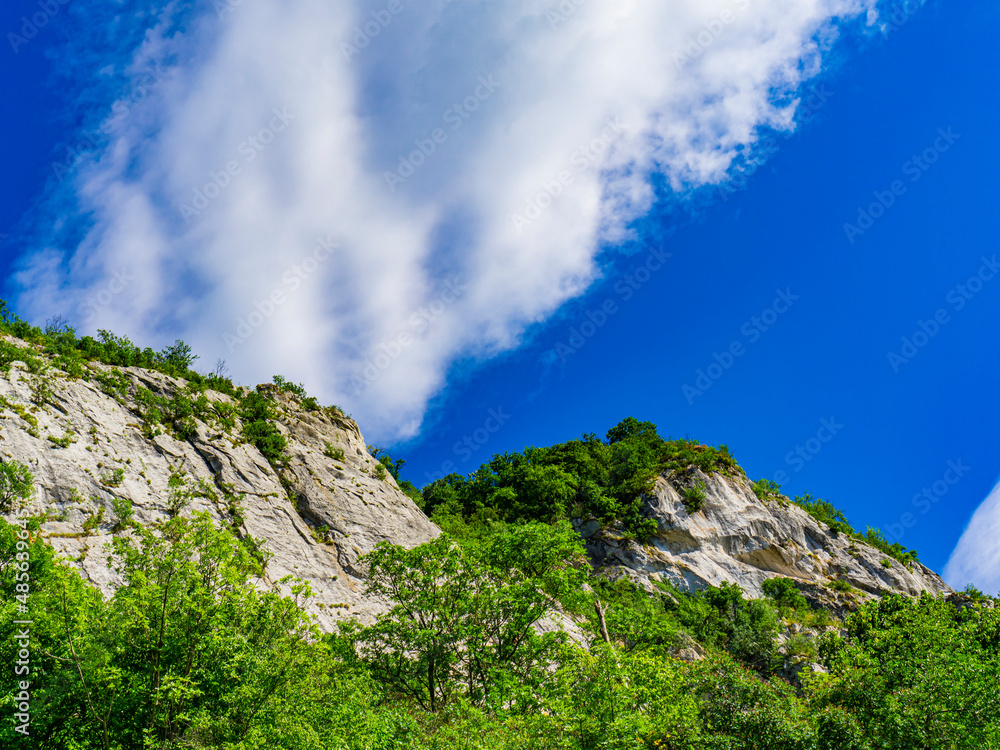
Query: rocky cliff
(89, 448)
(740, 538)
(94, 449)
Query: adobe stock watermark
(597, 317)
(562, 13)
(370, 29)
(120, 110)
(293, 278)
(553, 188)
(697, 44)
(416, 323)
(249, 148)
(225, 7)
(465, 448)
(93, 305)
(31, 25)
(22, 630)
(455, 117)
(926, 499)
(957, 298)
(797, 458)
(915, 168)
(899, 15)
(813, 100)
(752, 330)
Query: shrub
(16, 485)
(825, 513)
(256, 411)
(766, 489)
(63, 442)
(694, 497)
(840, 585)
(296, 389)
(93, 522)
(122, 508)
(337, 454)
(113, 478)
(784, 592)
(876, 539)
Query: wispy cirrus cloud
(484, 112)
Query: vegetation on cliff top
(590, 478)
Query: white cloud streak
(687, 84)
(976, 558)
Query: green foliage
(16, 485)
(876, 539)
(591, 478)
(634, 619)
(296, 389)
(337, 454)
(93, 521)
(694, 497)
(257, 412)
(113, 478)
(386, 464)
(178, 356)
(463, 620)
(71, 353)
(122, 508)
(766, 489)
(63, 442)
(827, 514)
(916, 673)
(840, 585)
(188, 652)
(784, 593)
(720, 616)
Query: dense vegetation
(189, 653)
(590, 478)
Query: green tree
(16, 485)
(917, 673)
(463, 618)
(784, 593)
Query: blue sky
(660, 256)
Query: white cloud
(604, 93)
(976, 558)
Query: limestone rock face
(741, 539)
(85, 442)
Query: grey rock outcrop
(86, 445)
(737, 537)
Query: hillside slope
(109, 437)
(91, 444)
